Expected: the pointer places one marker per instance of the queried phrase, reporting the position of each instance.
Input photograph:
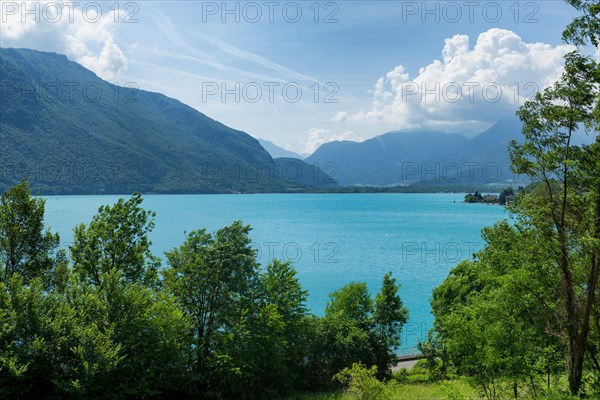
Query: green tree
(490, 321)
(25, 367)
(352, 302)
(584, 29)
(118, 309)
(285, 298)
(504, 194)
(28, 256)
(567, 211)
(216, 283)
(26, 248)
(342, 337)
(389, 318)
(332, 344)
(116, 239)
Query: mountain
(422, 158)
(303, 174)
(72, 132)
(276, 151)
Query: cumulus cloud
(316, 137)
(87, 36)
(469, 86)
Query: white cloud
(87, 36)
(316, 137)
(469, 88)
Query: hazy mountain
(303, 174)
(71, 132)
(409, 158)
(277, 151)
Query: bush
(400, 376)
(362, 383)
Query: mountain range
(423, 158)
(69, 131)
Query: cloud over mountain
(316, 137)
(469, 86)
(86, 32)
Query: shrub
(362, 383)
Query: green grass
(415, 384)
(453, 389)
(457, 389)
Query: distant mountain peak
(277, 151)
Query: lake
(332, 239)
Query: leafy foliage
(527, 306)
(116, 240)
(25, 247)
(213, 324)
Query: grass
(415, 384)
(457, 389)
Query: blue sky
(351, 71)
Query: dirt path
(408, 364)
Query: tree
(355, 329)
(389, 317)
(118, 309)
(283, 298)
(25, 354)
(215, 281)
(334, 343)
(504, 194)
(531, 293)
(28, 257)
(584, 29)
(25, 247)
(352, 302)
(567, 211)
(116, 239)
(473, 197)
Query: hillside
(423, 158)
(304, 175)
(72, 132)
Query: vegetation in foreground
(519, 320)
(107, 322)
(418, 384)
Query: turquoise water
(332, 239)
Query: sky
(303, 73)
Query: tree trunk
(575, 366)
